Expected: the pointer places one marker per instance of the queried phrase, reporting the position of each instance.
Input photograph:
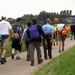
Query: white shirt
(60, 26)
(5, 27)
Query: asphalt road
(22, 67)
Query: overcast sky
(17, 8)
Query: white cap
(3, 16)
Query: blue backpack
(0, 36)
(34, 33)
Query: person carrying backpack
(5, 28)
(61, 38)
(16, 39)
(34, 32)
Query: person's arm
(10, 34)
(64, 27)
(22, 38)
(42, 33)
(52, 35)
(28, 33)
(23, 35)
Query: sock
(17, 54)
(2, 56)
(13, 51)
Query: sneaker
(2, 62)
(46, 58)
(18, 58)
(54, 44)
(50, 57)
(12, 56)
(32, 63)
(4, 59)
(28, 59)
(40, 61)
(59, 51)
(63, 49)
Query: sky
(17, 8)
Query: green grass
(8, 53)
(62, 65)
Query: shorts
(4, 43)
(60, 37)
(16, 44)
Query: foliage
(43, 15)
(65, 13)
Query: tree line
(43, 15)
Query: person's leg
(13, 48)
(63, 45)
(28, 50)
(54, 39)
(63, 42)
(3, 59)
(71, 35)
(18, 49)
(4, 48)
(13, 51)
(3, 53)
(1, 44)
(74, 36)
(59, 45)
(59, 41)
(45, 51)
(50, 50)
(38, 52)
(32, 49)
(17, 55)
(49, 43)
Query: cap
(48, 20)
(18, 19)
(3, 16)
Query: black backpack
(18, 33)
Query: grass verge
(9, 49)
(62, 65)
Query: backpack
(34, 33)
(0, 36)
(17, 34)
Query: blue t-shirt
(47, 28)
(25, 34)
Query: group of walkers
(33, 35)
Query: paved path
(22, 67)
